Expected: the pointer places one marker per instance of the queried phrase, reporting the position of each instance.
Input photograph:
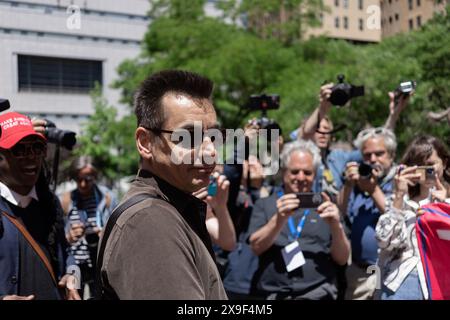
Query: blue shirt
(364, 214)
(336, 162)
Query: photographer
(33, 256)
(402, 272)
(86, 209)
(319, 128)
(281, 226)
(251, 184)
(398, 101)
(362, 199)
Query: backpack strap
(104, 291)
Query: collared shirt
(16, 199)
(336, 160)
(363, 215)
(160, 248)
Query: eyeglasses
(186, 137)
(25, 149)
(87, 179)
(377, 131)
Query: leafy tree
(241, 63)
(109, 141)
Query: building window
(336, 22)
(419, 21)
(345, 23)
(397, 17)
(418, 3)
(361, 24)
(410, 4)
(336, 3)
(360, 4)
(58, 74)
(390, 20)
(411, 24)
(345, 4)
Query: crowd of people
(338, 221)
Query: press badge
(293, 256)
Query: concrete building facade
(53, 51)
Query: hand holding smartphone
(310, 200)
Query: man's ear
(144, 143)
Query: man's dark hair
(147, 101)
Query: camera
(426, 173)
(405, 89)
(64, 138)
(4, 104)
(264, 102)
(365, 170)
(342, 92)
(309, 200)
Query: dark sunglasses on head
(178, 136)
(24, 149)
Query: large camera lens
(339, 96)
(63, 137)
(365, 170)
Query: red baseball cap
(15, 127)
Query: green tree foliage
(108, 140)
(298, 16)
(241, 63)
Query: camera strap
(337, 129)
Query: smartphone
(426, 173)
(212, 187)
(310, 200)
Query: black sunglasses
(178, 136)
(25, 149)
(88, 179)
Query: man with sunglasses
(33, 256)
(159, 247)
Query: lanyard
(295, 231)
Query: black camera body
(342, 92)
(65, 138)
(365, 170)
(309, 200)
(264, 102)
(4, 104)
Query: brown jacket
(160, 249)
